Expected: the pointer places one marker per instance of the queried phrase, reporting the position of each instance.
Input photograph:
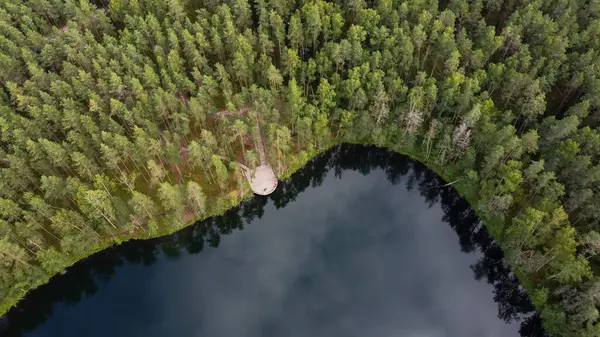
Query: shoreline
(444, 173)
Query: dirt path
(262, 156)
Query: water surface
(361, 242)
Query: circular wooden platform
(265, 181)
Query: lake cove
(360, 242)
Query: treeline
(127, 118)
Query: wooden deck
(265, 181)
(262, 180)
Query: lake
(360, 242)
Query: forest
(127, 119)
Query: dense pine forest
(127, 118)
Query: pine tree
(196, 200)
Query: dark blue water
(361, 242)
